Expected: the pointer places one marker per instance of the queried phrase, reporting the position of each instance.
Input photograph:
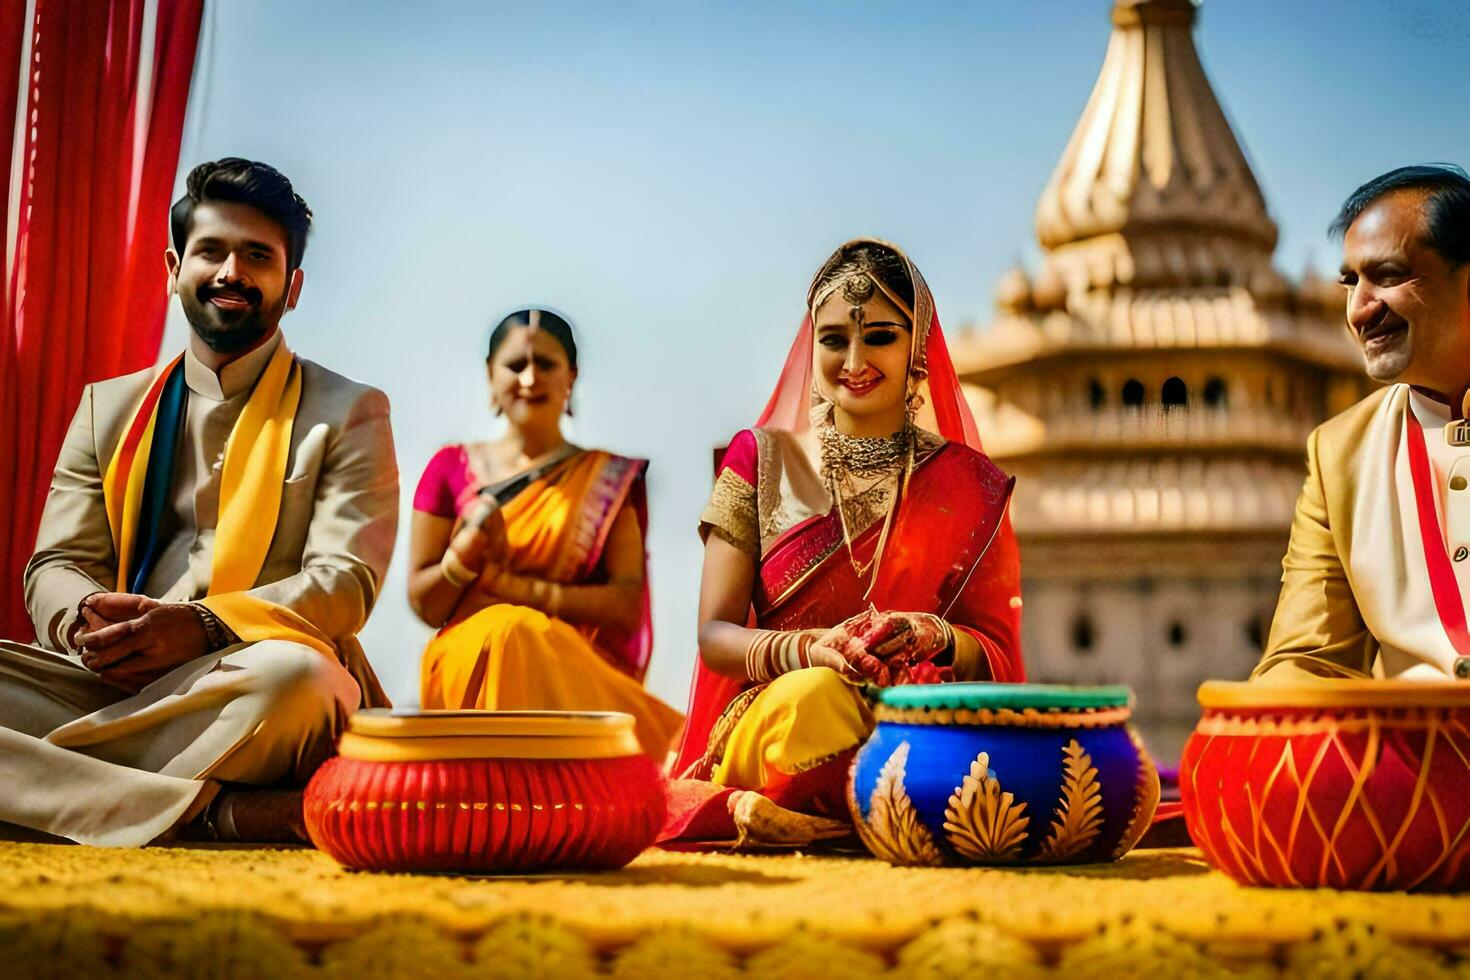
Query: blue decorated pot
(1002, 774)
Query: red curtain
(85, 281)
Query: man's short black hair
(245, 182)
(1447, 205)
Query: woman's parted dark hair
(1446, 211)
(551, 322)
(259, 185)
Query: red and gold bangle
(774, 652)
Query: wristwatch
(217, 635)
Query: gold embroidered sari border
(719, 736)
(731, 512)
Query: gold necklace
(861, 455)
(843, 457)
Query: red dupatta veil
(944, 410)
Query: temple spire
(1153, 159)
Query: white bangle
(454, 570)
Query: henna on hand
(889, 647)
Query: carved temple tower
(1153, 387)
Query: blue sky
(670, 174)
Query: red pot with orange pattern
(486, 792)
(1356, 784)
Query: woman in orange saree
(856, 536)
(527, 554)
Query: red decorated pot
(1361, 784)
(486, 791)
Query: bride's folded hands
(855, 655)
(898, 647)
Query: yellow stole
(256, 454)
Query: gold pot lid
(385, 735)
(1327, 694)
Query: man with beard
(214, 537)
(1375, 576)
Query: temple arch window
(1215, 392)
(1175, 393)
(1096, 396)
(1084, 637)
(1133, 393)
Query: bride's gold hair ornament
(858, 283)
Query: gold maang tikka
(857, 290)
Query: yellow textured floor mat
(77, 911)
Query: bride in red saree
(857, 535)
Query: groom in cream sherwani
(215, 536)
(1375, 578)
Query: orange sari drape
(507, 657)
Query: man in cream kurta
(1375, 578)
(83, 756)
